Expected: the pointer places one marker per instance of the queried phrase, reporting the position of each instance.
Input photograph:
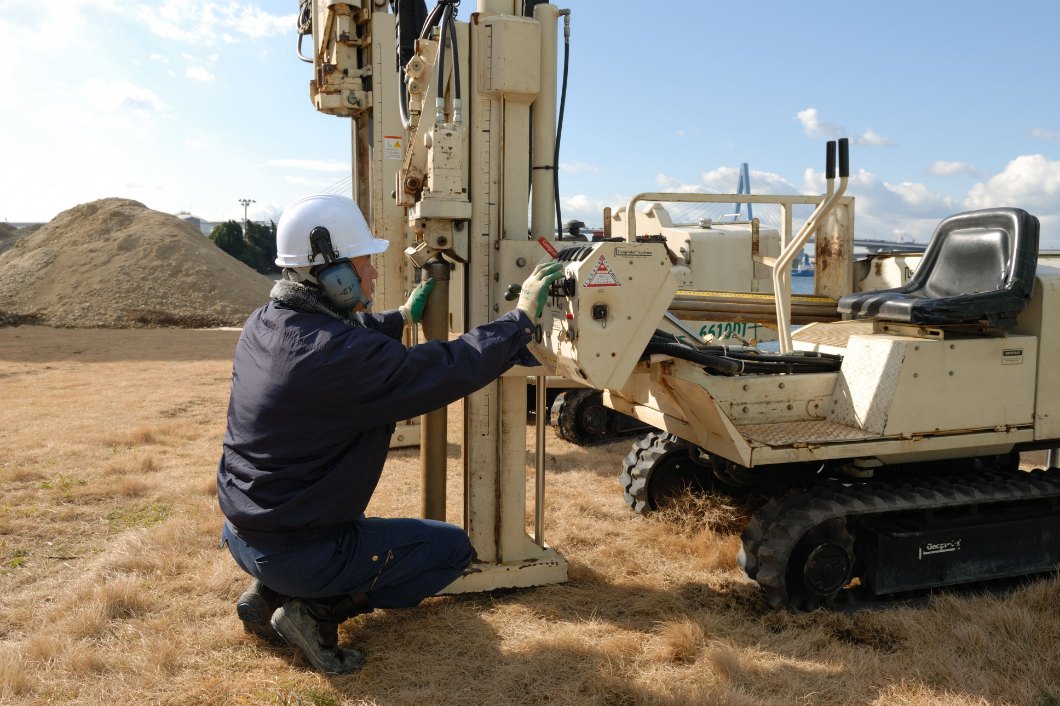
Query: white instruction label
(602, 275)
(392, 147)
(1012, 356)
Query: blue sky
(189, 105)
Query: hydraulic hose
(559, 123)
(723, 360)
(458, 103)
(439, 112)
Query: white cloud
(322, 165)
(187, 56)
(589, 210)
(265, 211)
(890, 211)
(677, 186)
(171, 72)
(112, 95)
(1045, 135)
(726, 178)
(948, 169)
(1031, 182)
(578, 168)
(871, 138)
(228, 38)
(199, 73)
(813, 126)
(196, 22)
(213, 57)
(159, 57)
(680, 133)
(194, 143)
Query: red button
(570, 316)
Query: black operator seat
(978, 265)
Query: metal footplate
(902, 535)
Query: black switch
(599, 312)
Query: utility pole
(245, 202)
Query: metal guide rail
(903, 535)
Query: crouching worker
(318, 383)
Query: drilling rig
(885, 433)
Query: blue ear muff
(338, 278)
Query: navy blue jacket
(313, 406)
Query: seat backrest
(990, 250)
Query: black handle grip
(513, 292)
(829, 160)
(844, 158)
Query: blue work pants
(397, 562)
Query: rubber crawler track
(776, 528)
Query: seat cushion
(979, 265)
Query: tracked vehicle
(884, 437)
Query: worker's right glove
(535, 289)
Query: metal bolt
(916, 348)
(781, 386)
(745, 387)
(630, 279)
(629, 318)
(521, 262)
(916, 375)
(496, 307)
(597, 355)
(443, 241)
(459, 225)
(790, 407)
(745, 409)
(952, 346)
(951, 372)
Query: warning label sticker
(392, 147)
(602, 275)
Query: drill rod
(434, 437)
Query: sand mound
(9, 234)
(115, 263)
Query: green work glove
(535, 288)
(412, 310)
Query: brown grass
(113, 587)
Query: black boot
(313, 626)
(255, 609)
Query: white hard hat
(350, 235)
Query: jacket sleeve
(389, 382)
(389, 323)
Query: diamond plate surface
(802, 433)
(836, 334)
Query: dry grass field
(113, 587)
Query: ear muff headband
(337, 277)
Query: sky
(189, 106)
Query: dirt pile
(115, 263)
(9, 234)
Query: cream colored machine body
(864, 447)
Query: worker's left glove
(535, 289)
(412, 310)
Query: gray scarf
(309, 298)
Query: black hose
(456, 55)
(441, 51)
(726, 361)
(559, 134)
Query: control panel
(602, 312)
